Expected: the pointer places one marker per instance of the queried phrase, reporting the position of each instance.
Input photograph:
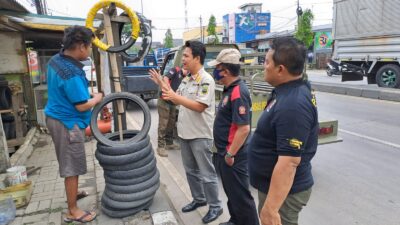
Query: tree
(168, 40)
(126, 32)
(212, 24)
(304, 31)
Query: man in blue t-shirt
(286, 137)
(68, 112)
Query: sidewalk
(48, 202)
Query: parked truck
(367, 40)
(136, 78)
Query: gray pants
(290, 208)
(69, 146)
(200, 172)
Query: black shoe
(192, 206)
(227, 223)
(212, 214)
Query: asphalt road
(356, 181)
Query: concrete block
(35, 218)
(43, 205)
(57, 205)
(55, 218)
(390, 96)
(357, 92)
(371, 94)
(17, 221)
(162, 218)
(32, 207)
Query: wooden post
(4, 156)
(114, 67)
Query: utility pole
(186, 17)
(39, 9)
(201, 30)
(299, 12)
(141, 3)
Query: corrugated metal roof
(12, 5)
(44, 22)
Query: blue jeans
(200, 171)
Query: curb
(372, 93)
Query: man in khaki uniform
(196, 95)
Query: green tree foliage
(126, 32)
(305, 34)
(168, 40)
(304, 30)
(212, 24)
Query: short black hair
(198, 49)
(289, 52)
(234, 69)
(76, 35)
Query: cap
(230, 55)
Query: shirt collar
(290, 84)
(233, 84)
(197, 75)
(72, 60)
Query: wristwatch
(229, 155)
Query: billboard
(248, 25)
(323, 40)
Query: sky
(171, 13)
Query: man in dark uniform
(286, 137)
(167, 113)
(231, 129)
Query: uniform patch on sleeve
(295, 143)
(242, 110)
(204, 88)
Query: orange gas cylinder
(104, 127)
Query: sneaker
(173, 147)
(162, 152)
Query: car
(90, 71)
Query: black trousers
(235, 181)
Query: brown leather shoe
(162, 152)
(172, 147)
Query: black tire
(132, 197)
(5, 98)
(123, 150)
(110, 203)
(388, 76)
(120, 96)
(123, 159)
(118, 213)
(145, 33)
(132, 173)
(126, 189)
(130, 181)
(131, 166)
(329, 72)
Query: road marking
(371, 138)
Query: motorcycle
(333, 68)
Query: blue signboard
(248, 25)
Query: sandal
(81, 194)
(82, 218)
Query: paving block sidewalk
(48, 204)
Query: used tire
(5, 97)
(114, 97)
(118, 213)
(132, 197)
(123, 159)
(138, 172)
(123, 150)
(388, 76)
(126, 189)
(131, 166)
(125, 205)
(130, 181)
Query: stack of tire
(130, 171)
